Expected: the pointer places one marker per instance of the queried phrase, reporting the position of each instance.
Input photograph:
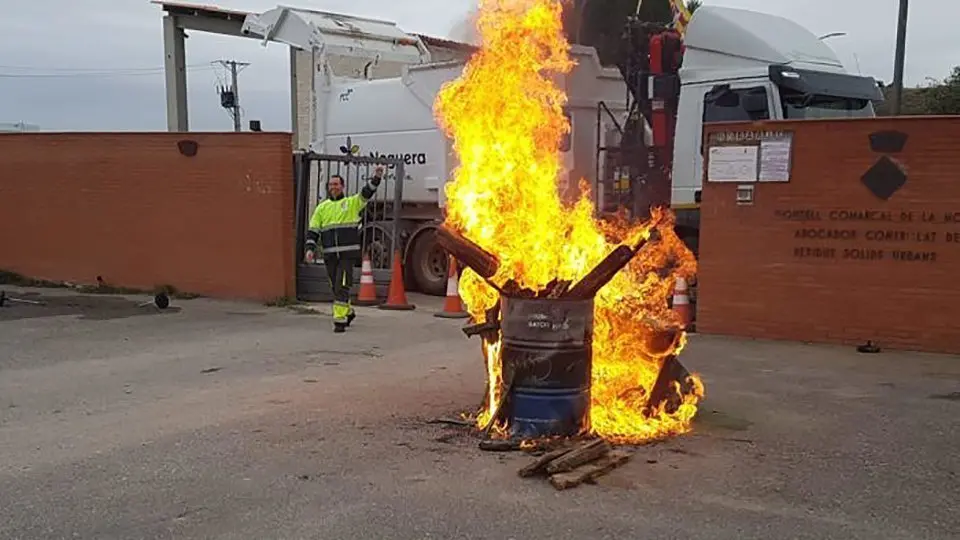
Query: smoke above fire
(505, 117)
(465, 30)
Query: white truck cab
(742, 65)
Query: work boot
(350, 318)
(339, 328)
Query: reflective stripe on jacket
(336, 223)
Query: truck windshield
(797, 105)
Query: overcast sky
(97, 64)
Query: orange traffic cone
(368, 289)
(452, 307)
(397, 295)
(681, 302)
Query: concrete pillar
(175, 70)
(294, 99)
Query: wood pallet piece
(539, 465)
(579, 456)
(590, 472)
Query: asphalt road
(224, 420)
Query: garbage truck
(636, 127)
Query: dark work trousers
(340, 272)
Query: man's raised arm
(370, 189)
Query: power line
(92, 73)
(87, 69)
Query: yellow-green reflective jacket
(335, 224)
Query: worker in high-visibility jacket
(335, 225)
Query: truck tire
(376, 243)
(428, 264)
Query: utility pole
(230, 97)
(236, 96)
(899, 59)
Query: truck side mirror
(722, 96)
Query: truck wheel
(428, 265)
(376, 244)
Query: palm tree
(692, 5)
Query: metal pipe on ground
(4, 299)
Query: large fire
(505, 116)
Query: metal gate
(380, 220)
(613, 177)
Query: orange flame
(505, 116)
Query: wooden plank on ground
(507, 445)
(579, 456)
(539, 466)
(591, 471)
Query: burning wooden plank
(660, 338)
(590, 472)
(467, 252)
(507, 378)
(489, 329)
(555, 289)
(601, 274)
(672, 376)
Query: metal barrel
(548, 345)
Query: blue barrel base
(538, 413)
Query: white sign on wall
(732, 164)
(752, 156)
(775, 160)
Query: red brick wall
(130, 208)
(759, 277)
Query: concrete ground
(230, 420)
